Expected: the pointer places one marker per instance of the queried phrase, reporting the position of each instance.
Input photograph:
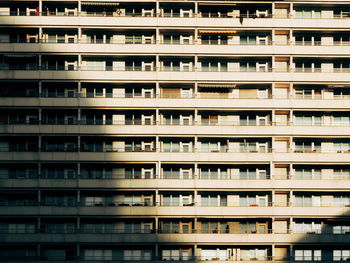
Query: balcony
(140, 19)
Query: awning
(203, 85)
(100, 3)
(216, 32)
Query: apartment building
(186, 131)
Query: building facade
(187, 131)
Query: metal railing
(190, 14)
(103, 204)
(211, 177)
(198, 95)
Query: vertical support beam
(196, 66)
(79, 116)
(156, 252)
(156, 226)
(157, 63)
(39, 115)
(196, 95)
(39, 228)
(39, 170)
(196, 40)
(158, 39)
(40, 36)
(78, 252)
(157, 198)
(158, 170)
(78, 170)
(39, 197)
(39, 143)
(79, 7)
(157, 90)
(157, 9)
(40, 7)
(78, 198)
(291, 90)
(272, 170)
(78, 224)
(78, 143)
(40, 89)
(39, 61)
(79, 62)
(79, 35)
(157, 117)
(79, 89)
(195, 171)
(38, 250)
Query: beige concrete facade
(185, 131)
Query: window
(133, 199)
(210, 66)
(307, 146)
(341, 200)
(341, 173)
(208, 254)
(341, 120)
(341, 229)
(307, 174)
(94, 201)
(213, 200)
(307, 13)
(209, 173)
(247, 227)
(341, 255)
(209, 200)
(251, 254)
(307, 227)
(341, 146)
(210, 146)
(171, 200)
(307, 255)
(170, 227)
(176, 254)
(252, 200)
(308, 120)
(247, 174)
(98, 254)
(137, 255)
(247, 40)
(171, 146)
(132, 227)
(186, 174)
(303, 200)
(186, 93)
(171, 173)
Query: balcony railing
(169, 96)
(186, 259)
(266, 70)
(159, 13)
(212, 177)
(97, 149)
(104, 204)
(73, 229)
(174, 42)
